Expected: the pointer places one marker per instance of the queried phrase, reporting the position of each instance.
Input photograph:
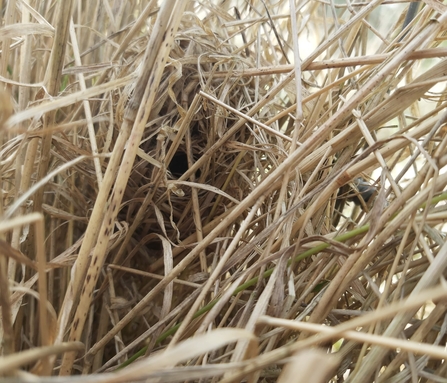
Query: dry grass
(171, 193)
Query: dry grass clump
(172, 194)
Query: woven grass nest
(177, 207)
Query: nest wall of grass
(171, 192)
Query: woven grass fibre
(223, 191)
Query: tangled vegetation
(177, 207)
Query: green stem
(246, 285)
(315, 250)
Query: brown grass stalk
(226, 191)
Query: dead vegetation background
(170, 192)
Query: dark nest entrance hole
(179, 165)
